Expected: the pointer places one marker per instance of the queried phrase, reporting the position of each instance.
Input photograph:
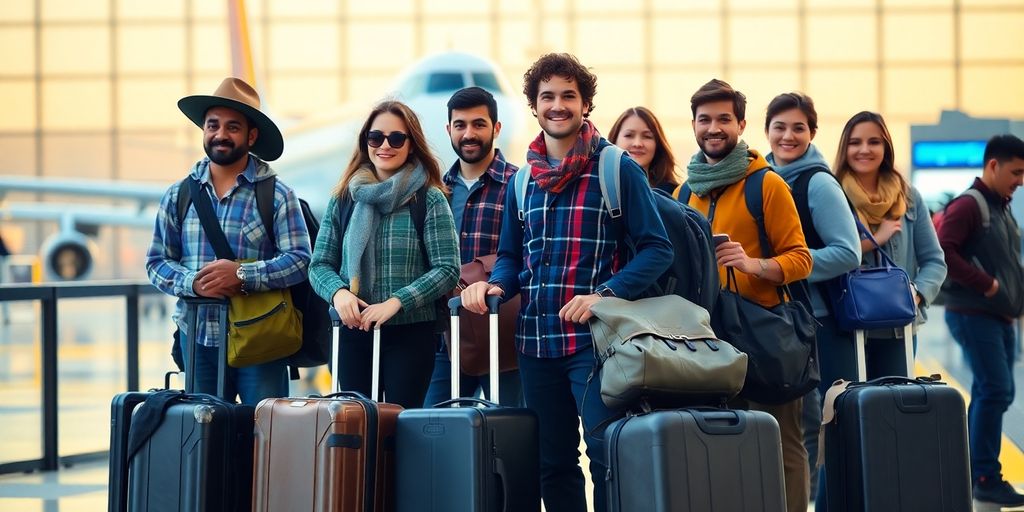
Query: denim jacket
(915, 248)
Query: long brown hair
(418, 151)
(663, 164)
(841, 167)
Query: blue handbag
(878, 297)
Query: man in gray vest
(984, 296)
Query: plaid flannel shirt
(400, 271)
(481, 220)
(178, 252)
(568, 245)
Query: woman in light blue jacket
(899, 221)
(790, 125)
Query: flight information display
(948, 154)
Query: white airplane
(316, 151)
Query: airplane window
(444, 82)
(487, 81)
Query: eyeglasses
(375, 138)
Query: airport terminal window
(597, 51)
(151, 48)
(669, 31)
(21, 62)
(75, 10)
(80, 50)
(444, 82)
(841, 38)
(750, 42)
(19, 105)
(993, 35)
(919, 91)
(918, 38)
(141, 102)
(63, 108)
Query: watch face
(240, 273)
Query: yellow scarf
(890, 202)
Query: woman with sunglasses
(380, 270)
(639, 133)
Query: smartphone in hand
(719, 239)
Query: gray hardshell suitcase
(699, 460)
(465, 454)
(199, 457)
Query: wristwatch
(240, 274)
(604, 291)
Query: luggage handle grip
(456, 401)
(896, 379)
(737, 423)
(343, 394)
(455, 303)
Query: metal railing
(48, 296)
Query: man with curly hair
(560, 249)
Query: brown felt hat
(235, 94)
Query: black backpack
(316, 323)
(693, 274)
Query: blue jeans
(988, 347)
(251, 384)
(562, 390)
(510, 388)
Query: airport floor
(91, 346)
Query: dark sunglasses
(375, 138)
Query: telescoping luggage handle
(908, 351)
(375, 371)
(454, 304)
(191, 320)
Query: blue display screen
(943, 154)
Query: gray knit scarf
(373, 199)
(704, 177)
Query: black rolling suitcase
(468, 455)
(198, 454)
(896, 443)
(699, 460)
(121, 408)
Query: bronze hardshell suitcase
(332, 453)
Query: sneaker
(996, 490)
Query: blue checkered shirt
(179, 251)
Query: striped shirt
(178, 252)
(481, 218)
(400, 270)
(569, 245)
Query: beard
(232, 156)
(720, 154)
(484, 151)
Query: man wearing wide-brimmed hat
(238, 139)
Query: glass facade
(88, 87)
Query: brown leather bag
(473, 329)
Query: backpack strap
(184, 199)
(265, 205)
(986, 216)
(519, 183)
(801, 196)
(682, 193)
(753, 192)
(211, 226)
(608, 165)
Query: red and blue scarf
(574, 164)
